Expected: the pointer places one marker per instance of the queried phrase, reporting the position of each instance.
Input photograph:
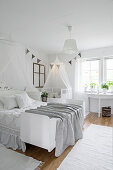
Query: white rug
(93, 152)
(11, 160)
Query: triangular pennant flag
(38, 60)
(58, 65)
(79, 54)
(70, 62)
(33, 56)
(51, 65)
(27, 51)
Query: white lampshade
(70, 46)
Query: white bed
(40, 130)
(18, 127)
(10, 127)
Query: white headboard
(10, 92)
(33, 94)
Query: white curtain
(15, 66)
(64, 76)
(79, 93)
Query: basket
(106, 111)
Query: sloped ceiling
(42, 23)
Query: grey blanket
(69, 124)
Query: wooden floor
(50, 161)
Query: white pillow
(23, 100)
(9, 102)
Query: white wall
(98, 52)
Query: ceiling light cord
(69, 29)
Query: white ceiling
(42, 23)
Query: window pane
(109, 75)
(36, 80)
(86, 65)
(91, 72)
(36, 68)
(109, 69)
(109, 63)
(86, 77)
(95, 65)
(41, 80)
(95, 76)
(41, 69)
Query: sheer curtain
(15, 66)
(79, 93)
(64, 77)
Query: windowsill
(96, 92)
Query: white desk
(100, 97)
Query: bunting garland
(33, 56)
(70, 62)
(38, 60)
(27, 51)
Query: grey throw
(69, 124)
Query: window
(38, 75)
(97, 71)
(109, 69)
(91, 72)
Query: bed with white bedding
(10, 118)
(18, 127)
(10, 129)
(10, 125)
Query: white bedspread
(10, 126)
(11, 118)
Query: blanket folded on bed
(69, 124)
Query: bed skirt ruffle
(11, 140)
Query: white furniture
(59, 93)
(40, 130)
(99, 97)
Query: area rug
(93, 152)
(11, 160)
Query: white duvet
(11, 118)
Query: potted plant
(105, 87)
(44, 96)
(110, 83)
(92, 86)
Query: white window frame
(105, 67)
(95, 59)
(102, 68)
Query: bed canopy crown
(57, 80)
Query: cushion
(23, 100)
(9, 102)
